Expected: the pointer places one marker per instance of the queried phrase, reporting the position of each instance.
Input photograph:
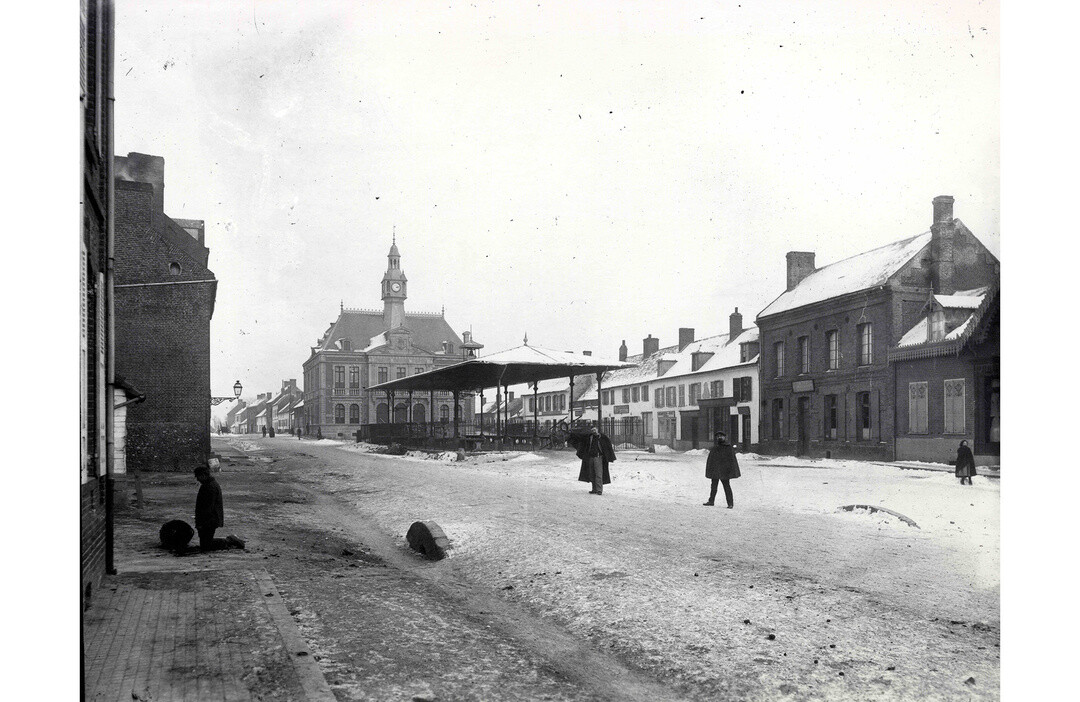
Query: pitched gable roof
(365, 327)
(861, 272)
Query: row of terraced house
(891, 354)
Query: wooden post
(481, 413)
(570, 404)
(536, 408)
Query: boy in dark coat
(721, 467)
(596, 452)
(965, 463)
(210, 513)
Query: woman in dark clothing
(721, 467)
(965, 463)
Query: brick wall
(163, 349)
(92, 538)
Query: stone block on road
(428, 538)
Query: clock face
(396, 287)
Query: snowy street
(783, 596)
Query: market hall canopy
(523, 364)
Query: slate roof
(362, 327)
(726, 354)
(864, 271)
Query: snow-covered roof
(969, 300)
(726, 353)
(963, 299)
(861, 272)
(298, 405)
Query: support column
(457, 412)
(498, 411)
(536, 410)
(481, 413)
(599, 405)
(570, 404)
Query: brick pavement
(196, 635)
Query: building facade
(680, 395)
(165, 296)
(366, 347)
(827, 387)
(96, 392)
(948, 380)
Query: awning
(523, 364)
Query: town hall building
(367, 347)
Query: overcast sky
(580, 172)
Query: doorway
(803, 426)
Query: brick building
(164, 301)
(827, 387)
(948, 379)
(365, 347)
(95, 376)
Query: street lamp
(237, 389)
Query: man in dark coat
(965, 463)
(596, 452)
(210, 513)
(721, 467)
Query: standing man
(596, 452)
(721, 467)
(210, 513)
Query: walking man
(596, 452)
(721, 467)
(210, 513)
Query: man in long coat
(210, 513)
(721, 467)
(596, 452)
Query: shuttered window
(955, 410)
(917, 408)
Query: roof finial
(394, 234)
(526, 338)
(443, 313)
(342, 304)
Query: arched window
(419, 413)
(174, 268)
(382, 413)
(444, 414)
(354, 414)
(339, 414)
(401, 413)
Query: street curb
(316, 689)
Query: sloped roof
(916, 344)
(363, 327)
(726, 354)
(514, 366)
(861, 272)
(964, 300)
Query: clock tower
(393, 289)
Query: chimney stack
(686, 337)
(649, 346)
(799, 265)
(942, 244)
(622, 351)
(734, 325)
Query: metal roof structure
(522, 364)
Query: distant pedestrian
(264, 431)
(721, 467)
(965, 463)
(210, 513)
(596, 452)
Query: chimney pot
(734, 324)
(649, 346)
(622, 351)
(943, 209)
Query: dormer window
(346, 345)
(937, 325)
(175, 269)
